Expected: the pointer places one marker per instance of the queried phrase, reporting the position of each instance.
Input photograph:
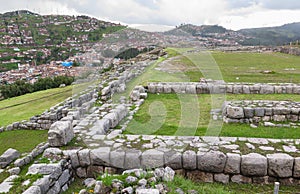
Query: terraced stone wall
(261, 111)
(205, 159)
(220, 87)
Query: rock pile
(132, 181)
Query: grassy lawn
(171, 114)
(248, 67)
(21, 140)
(23, 107)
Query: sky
(153, 15)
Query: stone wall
(290, 50)
(77, 105)
(56, 177)
(201, 161)
(261, 111)
(219, 87)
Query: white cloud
(234, 14)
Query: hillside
(210, 35)
(220, 36)
(272, 35)
(27, 37)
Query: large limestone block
(152, 158)
(280, 165)
(8, 156)
(297, 168)
(100, 156)
(132, 159)
(233, 164)
(235, 112)
(213, 161)
(254, 164)
(189, 160)
(60, 133)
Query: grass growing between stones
(21, 140)
(213, 188)
(204, 188)
(173, 108)
(23, 107)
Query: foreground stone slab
(60, 133)
(254, 164)
(213, 161)
(8, 156)
(280, 165)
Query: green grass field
(248, 67)
(23, 107)
(22, 140)
(173, 104)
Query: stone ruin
(207, 159)
(262, 111)
(220, 87)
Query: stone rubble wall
(56, 177)
(76, 106)
(260, 111)
(220, 87)
(117, 83)
(202, 165)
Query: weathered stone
(249, 112)
(254, 165)
(152, 158)
(199, 176)
(297, 168)
(241, 179)
(260, 112)
(98, 187)
(279, 118)
(44, 183)
(132, 159)
(45, 169)
(168, 174)
(60, 133)
(73, 156)
(235, 112)
(264, 180)
(65, 177)
(100, 156)
(84, 157)
(8, 156)
(117, 158)
(55, 189)
(267, 89)
(94, 171)
(147, 191)
(221, 178)
(173, 159)
(189, 160)
(128, 190)
(33, 190)
(213, 161)
(233, 163)
(81, 172)
(14, 171)
(280, 165)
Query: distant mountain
(194, 30)
(272, 35)
(17, 13)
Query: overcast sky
(232, 14)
